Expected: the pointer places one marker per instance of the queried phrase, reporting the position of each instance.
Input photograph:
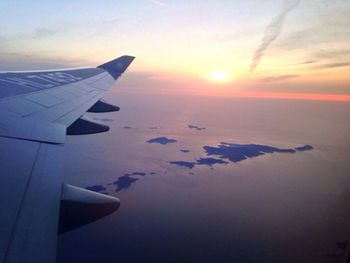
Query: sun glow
(218, 76)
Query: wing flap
(13, 182)
(34, 231)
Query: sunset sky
(199, 47)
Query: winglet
(117, 66)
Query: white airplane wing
(37, 110)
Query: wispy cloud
(278, 78)
(272, 31)
(333, 65)
(157, 2)
(36, 33)
(65, 28)
(303, 63)
(25, 51)
(308, 62)
(336, 54)
(36, 61)
(43, 32)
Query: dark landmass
(239, 152)
(139, 173)
(236, 153)
(224, 153)
(340, 252)
(304, 148)
(201, 161)
(124, 182)
(127, 127)
(162, 140)
(210, 161)
(195, 127)
(189, 165)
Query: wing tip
(117, 66)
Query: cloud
(278, 78)
(36, 33)
(36, 61)
(157, 2)
(333, 65)
(41, 32)
(273, 30)
(24, 50)
(332, 54)
(66, 28)
(326, 28)
(307, 62)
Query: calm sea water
(275, 207)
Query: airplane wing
(37, 111)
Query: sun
(219, 76)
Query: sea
(214, 179)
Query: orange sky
(183, 45)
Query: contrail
(272, 31)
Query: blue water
(265, 181)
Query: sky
(279, 48)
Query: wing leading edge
(36, 110)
